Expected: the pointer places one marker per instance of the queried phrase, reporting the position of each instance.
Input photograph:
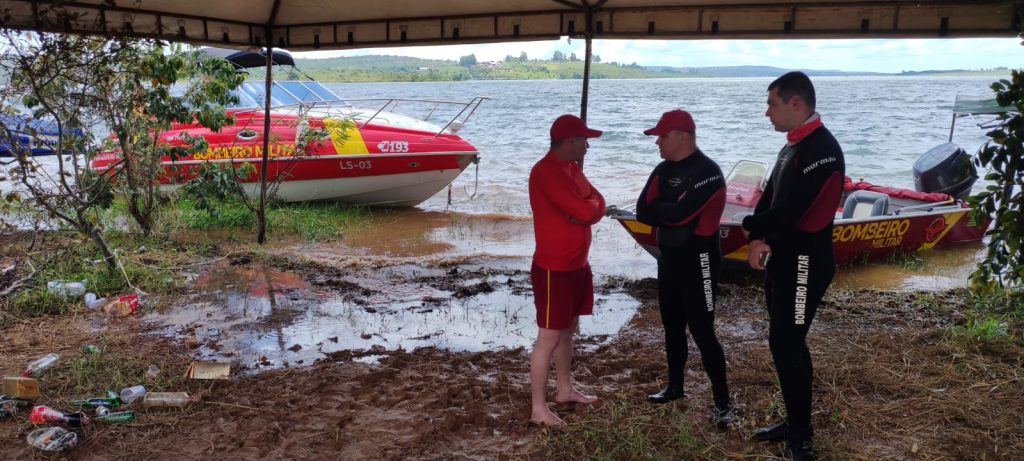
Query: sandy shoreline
(882, 357)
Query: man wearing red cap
(793, 224)
(683, 200)
(564, 205)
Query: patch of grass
(149, 263)
(315, 221)
(624, 430)
(908, 260)
(982, 330)
(1003, 302)
(117, 366)
(310, 221)
(35, 303)
(230, 215)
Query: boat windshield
(252, 95)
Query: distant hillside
(407, 69)
(753, 71)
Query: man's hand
(757, 254)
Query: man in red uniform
(564, 205)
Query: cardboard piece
(208, 370)
(21, 388)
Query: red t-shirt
(558, 191)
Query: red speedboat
(871, 221)
(370, 156)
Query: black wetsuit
(794, 217)
(684, 201)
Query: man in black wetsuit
(683, 200)
(790, 238)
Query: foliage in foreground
(1003, 155)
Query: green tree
(144, 76)
(1003, 155)
(51, 78)
(596, 58)
(523, 57)
(469, 60)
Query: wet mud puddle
(261, 318)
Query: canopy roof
(965, 105)
(340, 24)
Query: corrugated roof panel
(336, 24)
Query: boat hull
(403, 180)
(854, 240)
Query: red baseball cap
(673, 120)
(571, 126)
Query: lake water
(883, 125)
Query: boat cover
(893, 192)
(249, 59)
(964, 105)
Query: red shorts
(562, 295)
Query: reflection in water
(397, 293)
(262, 317)
(940, 269)
(433, 236)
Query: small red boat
(871, 221)
(374, 156)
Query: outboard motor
(946, 168)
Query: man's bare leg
(564, 390)
(540, 363)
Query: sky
(851, 55)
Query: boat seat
(865, 204)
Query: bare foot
(545, 417)
(575, 397)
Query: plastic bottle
(37, 368)
(43, 414)
(52, 439)
(166, 399)
(120, 417)
(66, 289)
(93, 303)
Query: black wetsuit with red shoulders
(794, 217)
(683, 200)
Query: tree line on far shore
(409, 69)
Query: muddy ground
(891, 382)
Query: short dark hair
(795, 83)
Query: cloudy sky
(876, 55)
